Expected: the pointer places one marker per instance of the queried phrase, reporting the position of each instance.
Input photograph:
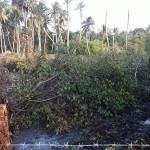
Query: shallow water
(147, 122)
(35, 139)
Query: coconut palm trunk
(33, 34)
(53, 43)
(113, 42)
(45, 42)
(80, 7)
(68, 24)
(12, 50)
(56, 37)
(80, 24)
(107, 31)
(87, 26)
(14, 39)
(127, 32)
(87, 43)
(18, 38)
(1, 38)
(39, 39)
(4, 41)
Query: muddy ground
(133, 126)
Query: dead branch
(41, 83)
(137, 66)
(46, 100)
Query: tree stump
(4, 129)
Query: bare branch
(46, 100)
(42, 83)
(135, 74)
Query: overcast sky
(117, 13)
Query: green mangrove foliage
(71, 90)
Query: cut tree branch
(42, 83)
(46, 100)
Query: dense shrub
(97, 46)
(80, 48)
(103, 85)
(84, 87)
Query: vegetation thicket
(69, 78)
(69, 91)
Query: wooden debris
(4, 129)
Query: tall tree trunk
(68, 26)
(113, 43)
(106, 31)
(127, 32)
(103, 37)
(2, 44)
(39, 39)
(80, 24)
(14, 38)
(49, 37)
(12, 50)
(87, 43)
(45, 42)
(24, 49)
(25, 19)
(18, 38)
(60, 36)
(3, 36)
(25, 42)
(56, 39)
(33, 38)
(61, 39)
(53, 43)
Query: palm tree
(87, 28)
(62, 24)
(127, 32)
(55, 14)
(4, 4)
(33, 24)
(15, 18)
(80, 7)
(148, 29)
(106, 30)
(39, 11)
(115, 30)
(3, 18)
(67, 5)
(47, 21)
(102, 33)
(3, 22)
